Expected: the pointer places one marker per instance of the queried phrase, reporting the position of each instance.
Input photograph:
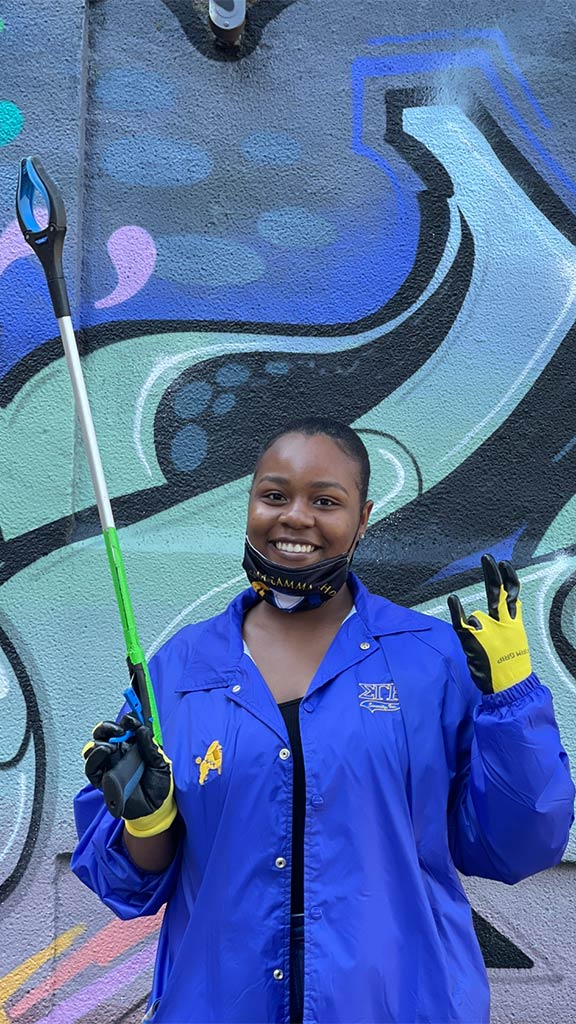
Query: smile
(299, 549)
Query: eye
(273, 496)
(325, 502)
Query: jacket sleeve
(511, 801)
(101, 859)
(103, 863)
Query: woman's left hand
(495, 645)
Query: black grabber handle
(120, 782)
(47, 242)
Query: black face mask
(296, 590)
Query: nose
(297, 514)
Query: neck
(327, 616)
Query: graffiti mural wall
(367, 211)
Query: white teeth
(303, 549)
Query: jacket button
(284, 753)
(278, 974)
(317, 801)
(365, 646)
(236, 689)
(280, 862)
(308, 707)
(316, 913)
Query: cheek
(343, 533)
(259, 516)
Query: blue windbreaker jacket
(410, 774)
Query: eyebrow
(317, 483)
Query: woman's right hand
(149, 808)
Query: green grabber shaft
(134, 653)
(47, 242)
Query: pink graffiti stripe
(113, 940)
(100, 991)
(12, 246)
(133, 255)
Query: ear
(365, 515)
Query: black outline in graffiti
(562, 645)
(401, 445)
(497, 949)
(35, 733)
(540, 193)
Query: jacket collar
(381, 616)
(216, 648)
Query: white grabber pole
(227, 18)
(47, 242)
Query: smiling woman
(330, 760)
(311, 525)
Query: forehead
(308, 458)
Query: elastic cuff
(153, 824)
(511, 693)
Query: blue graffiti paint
(232, 375)
(276, 368)
(155, 160)
(565, 450)
(192, 399)
(189, 447)
(501, 550)
(134, 89)
(412, 63)
(224, 403)
(198, 260)
(295, 227)
(490, 35)
(275, 149)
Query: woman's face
(305, 501)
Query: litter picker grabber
(47, 242)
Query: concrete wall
(369, 213)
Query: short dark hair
(344, 436)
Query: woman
(333, 898)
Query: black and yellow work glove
(495, 645)
(149, 807)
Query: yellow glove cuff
(155, 823)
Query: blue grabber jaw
(119, 783)
(46, 241)
(135, 705)
(34, 182)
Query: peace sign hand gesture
(495, 645)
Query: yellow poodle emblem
(212, 761)
(259, 587)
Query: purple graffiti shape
(12, 245)
(133, 255)
(108, 985)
